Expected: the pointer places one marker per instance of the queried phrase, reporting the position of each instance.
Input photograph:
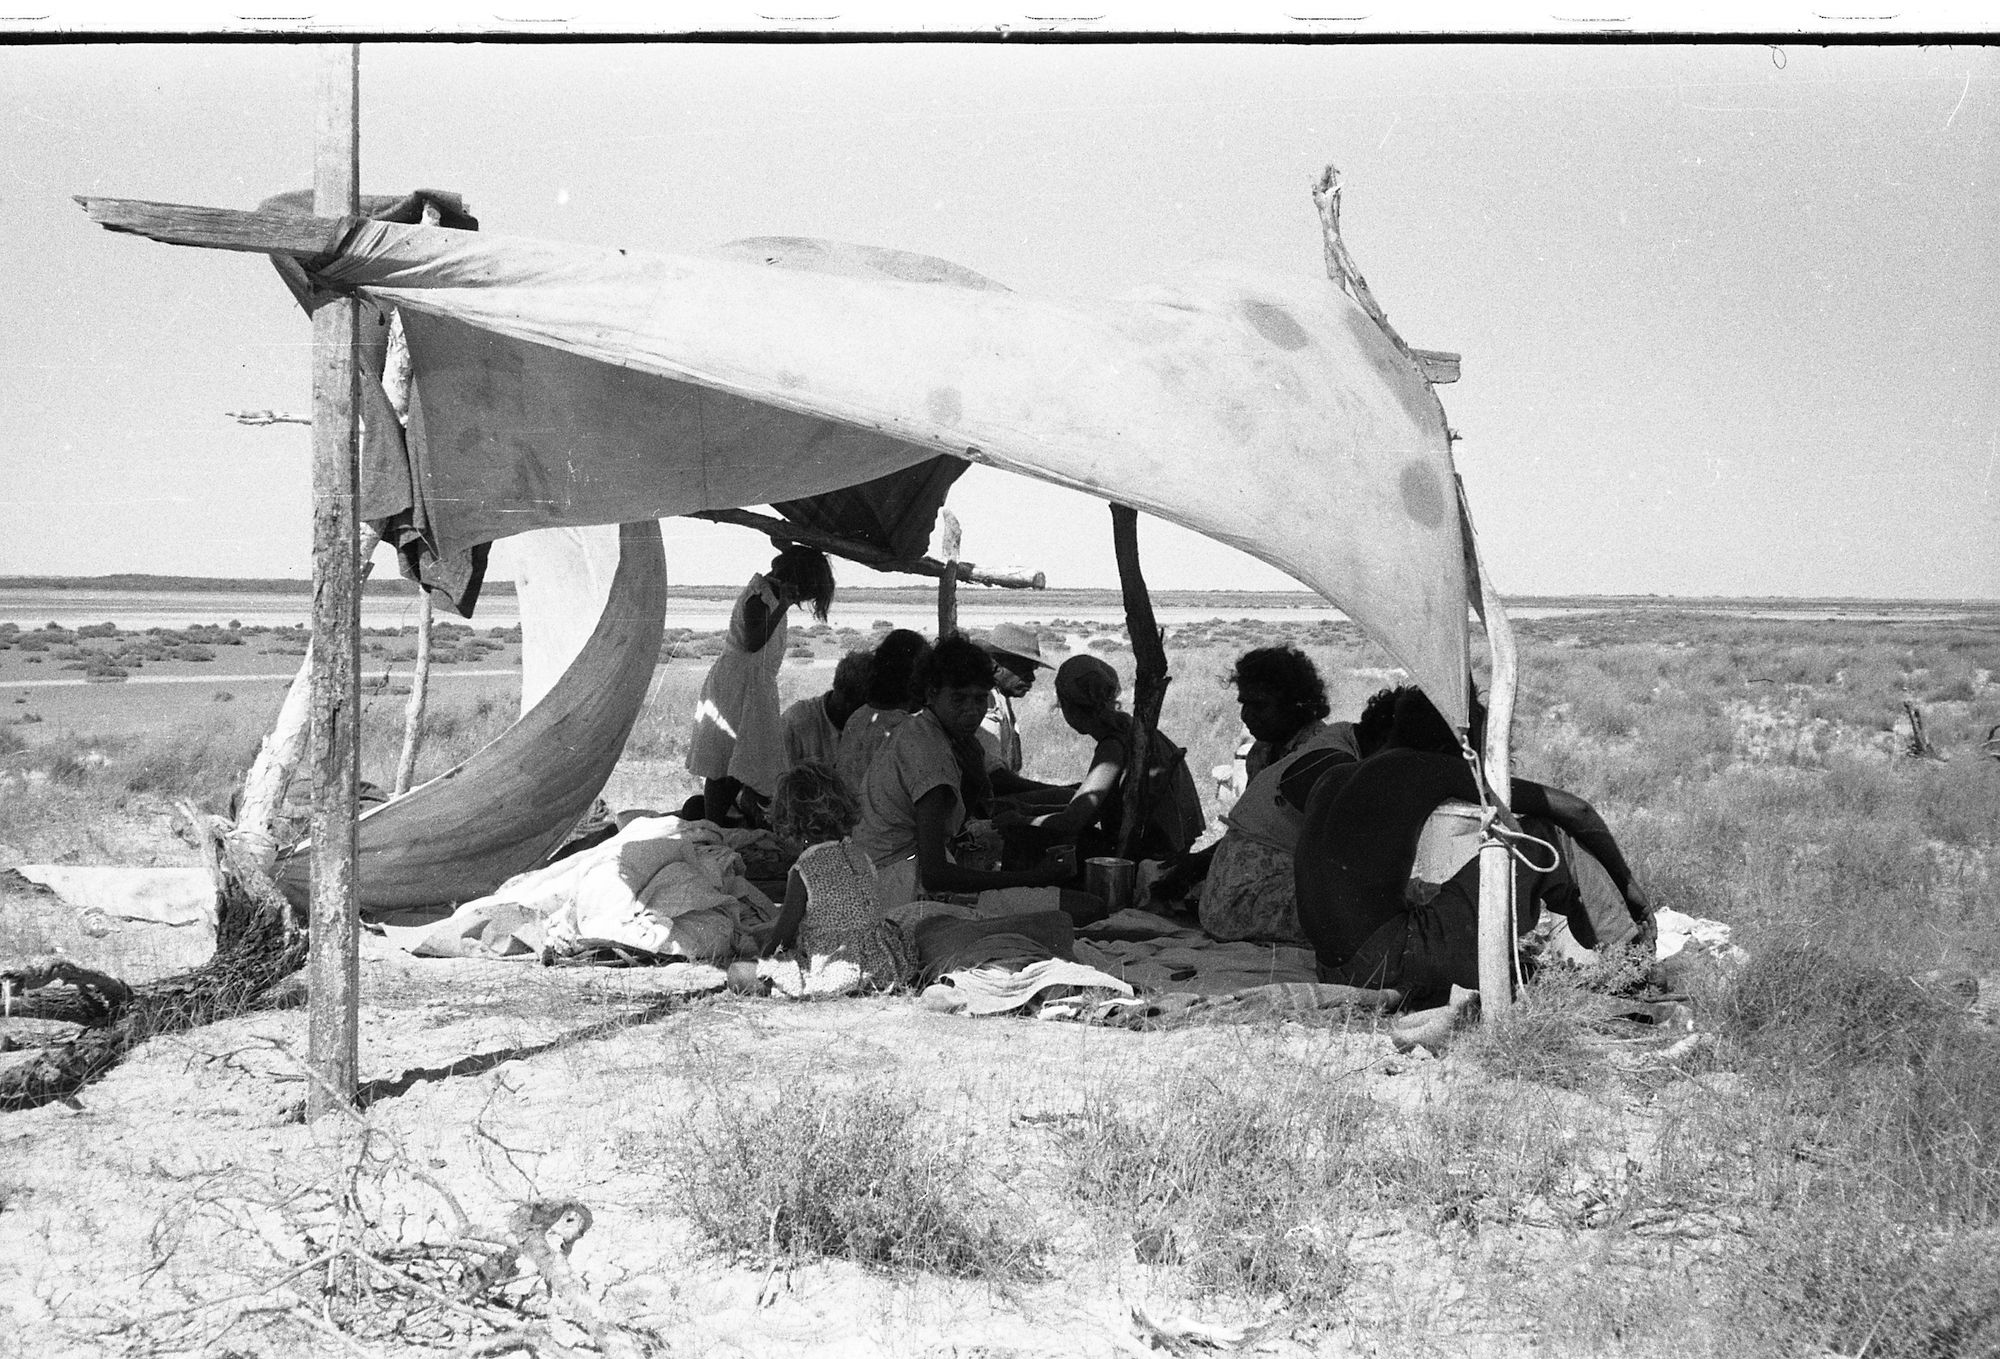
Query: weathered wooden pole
(948, 582)
(396, 379)
(1496, 867)
(420, 688)
(1149, 685)
(279, 754)
(333, 963)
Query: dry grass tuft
(1545, 1037)
(866, 1175)
(1813, 1013)
(1240, 1183)
(1840, 1278)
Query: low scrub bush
(1239, 1184)
(1900, 1091)
(1841, 1278)
(203, 767)
(1482, 1155)
(1811, 1012)
(865, 1175)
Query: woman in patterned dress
(1246, 877)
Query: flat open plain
(1813, 1168)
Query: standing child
(738, 742)
(831, 914)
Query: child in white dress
(831, 916)
(737, 742)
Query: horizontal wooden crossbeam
(266, 233)
(869, 555)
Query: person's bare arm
(790, 916)
(937, 873)
(1181, 875)
(1033, 801)
(1087, 801)
(760, 621)
(1581, 822)
(1006, 783)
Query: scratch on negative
(1965, 90)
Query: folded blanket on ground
(996, 990)
(661, 888)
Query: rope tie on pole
(1498, 826)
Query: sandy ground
(188, 1173)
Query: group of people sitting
(1336, 842)
(903, 781)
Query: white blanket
(661, 886)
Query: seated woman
(1090, 814)
(1372, 926)
(891, 697)
(1247, 876)
(930, 778)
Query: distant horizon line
(150, 583)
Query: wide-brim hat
(1015, 640)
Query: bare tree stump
(1919, 745)
(257, 945)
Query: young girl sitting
(830, 916)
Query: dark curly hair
(1378, 718)
(1287, 672)
(808, 569)
(955, 660)
(892, 678)
(1420, 726)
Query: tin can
(1110, 879)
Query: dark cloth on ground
(950, 944)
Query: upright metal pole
(333, 972)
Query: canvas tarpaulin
(559, 385)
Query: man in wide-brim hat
(1017, 655)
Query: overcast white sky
(1730, 315)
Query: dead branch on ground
(380, 1253)
(257, 945)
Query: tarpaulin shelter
(558, 386)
